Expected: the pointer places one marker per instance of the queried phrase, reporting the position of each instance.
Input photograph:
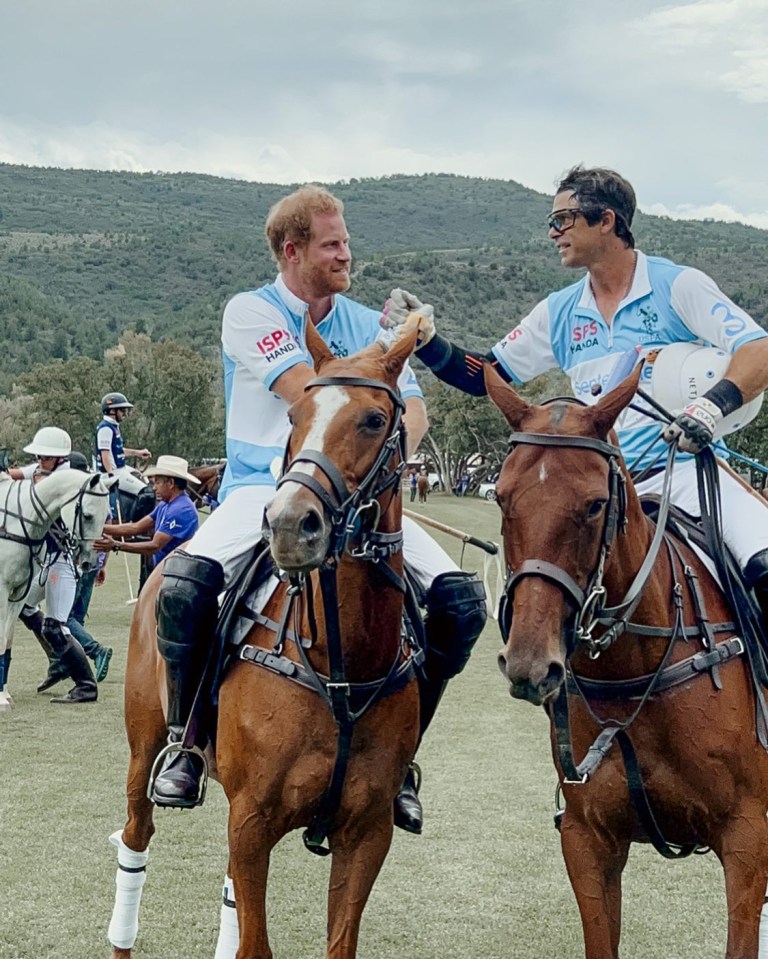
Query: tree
(176, 392)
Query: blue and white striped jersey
(666, 304)
(263, 335)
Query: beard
(325, 280)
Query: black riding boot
(33, 619)
(456, 615)
(72, 658)
(187, 610)
(756, 577)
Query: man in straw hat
(172, 522)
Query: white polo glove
(695, 426)
(399, 307)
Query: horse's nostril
(311, 525)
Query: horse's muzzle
(298, 535)
(537, 684)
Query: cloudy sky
(672, 93)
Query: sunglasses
(562, 220)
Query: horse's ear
(606, 411)
(93, 480)
(397, 355)
(502, 395)
(316, 346)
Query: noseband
(587, 602)
(344, 508)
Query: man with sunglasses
(626, 306)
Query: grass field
(485, 880)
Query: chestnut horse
(207, 493)
(667, 729)
(318, 722)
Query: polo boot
(756, 577)
(187, 611)
(70, 654)
(456, 615)
(33, 619)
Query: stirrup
(164, 753)
(415, 769)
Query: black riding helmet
(115, 401)
(78, 462)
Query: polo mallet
(491, 558)
(133, 599)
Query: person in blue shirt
(172, 522)
(627, 304)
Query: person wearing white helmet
(51, 448)
(629, 305)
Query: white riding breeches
(231, 532)
(58, 589)
(744, 514)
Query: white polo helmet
(50, 441)
(683, 372)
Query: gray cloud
(672, 94)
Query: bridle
(587, 603)
(67, 541)
(346, 509)
(354, 516)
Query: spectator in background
(414, 479)
(100, 655)
(51, 448)
(172, 522)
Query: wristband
(726, 396)
(116, 548)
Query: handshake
(402, 304)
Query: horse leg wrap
(5, 666)
(229, 932)
(187, 609)
(130, 878)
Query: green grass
(485, 880)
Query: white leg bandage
(229, 933)
(131, 875)
(762, 952)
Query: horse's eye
(374, 421)
(596, 508)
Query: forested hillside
(86, 256)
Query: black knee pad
(456, 615)
(32, 618)
(187, 604)
(756, 571)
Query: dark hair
(77, 461)
(598, 190)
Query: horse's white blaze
(542, 473)
(328, 402)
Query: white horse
(27, 511)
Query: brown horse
(207, 493)
(422, 484)
(673, 722)
(329, 750)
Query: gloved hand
(399, 307)
(695, 426)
